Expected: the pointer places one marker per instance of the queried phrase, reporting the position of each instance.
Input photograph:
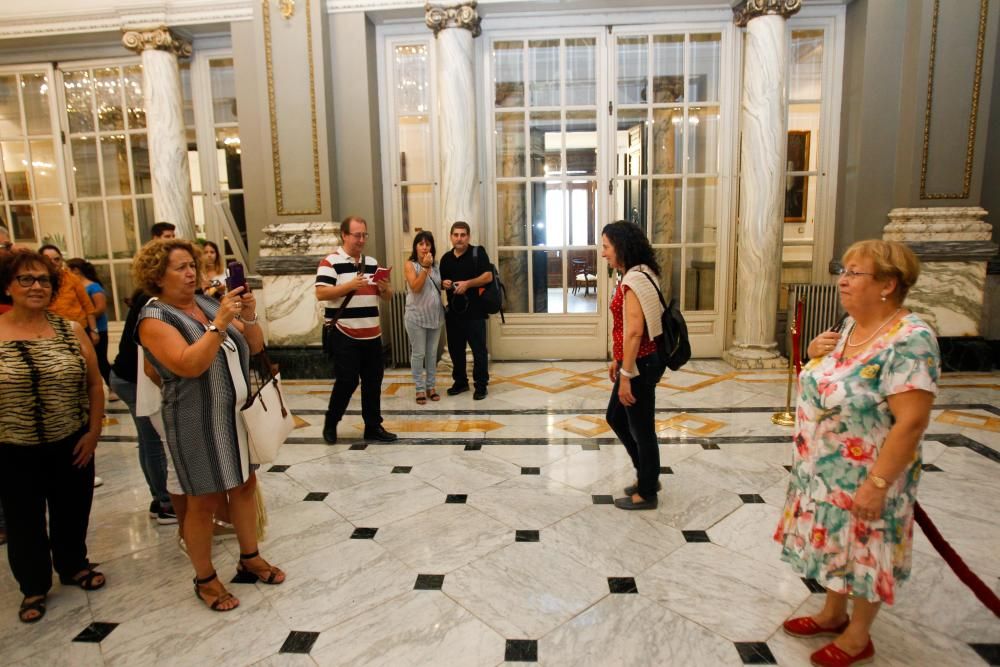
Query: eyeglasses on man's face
(851, 275)
(360, 236)
(26, 280)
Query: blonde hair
(150, 265)
(891, 259)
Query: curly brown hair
(150, 265)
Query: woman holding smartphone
(424, 315)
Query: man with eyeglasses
(352, 333)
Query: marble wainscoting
(948, 296)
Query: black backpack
(492, 295)
(673, 345)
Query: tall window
(668, 136)
(546, 139)
(802, 175)
(31, 187)
(110, 169)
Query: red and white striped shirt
(360, 319)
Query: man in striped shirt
(356, 336)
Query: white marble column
(162, 96)
(455, 27)
(762, 177)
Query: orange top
(72, 300)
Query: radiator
(399, 343)
(821, 309)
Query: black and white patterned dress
(204, 432)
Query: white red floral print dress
(842, 420)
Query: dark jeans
(635, 425)
(152, 457)
(353, 360)
(31, 478)
(473, 333)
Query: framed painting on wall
(796, 192)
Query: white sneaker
(98, 481)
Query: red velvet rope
(797, 336)
(968, 577)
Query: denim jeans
(152, 457)
(423, 355)
(635, 425)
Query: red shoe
(832, 655)
(805, 626)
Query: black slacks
(355, 360)
(471, 332)
(635, 424)
(35, 477)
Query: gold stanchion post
(787, 417)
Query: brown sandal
(220, 599)
(247, 576)
(37, 606)
(433, 395)
(421, 398)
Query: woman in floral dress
(865, 399)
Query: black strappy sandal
(38, 605)
(245, 575)
(85, 580)
(223, 597)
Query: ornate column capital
(463, 15)
(745, 10)
(160, 38)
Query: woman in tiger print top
(51, 407)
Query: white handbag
(267, 420)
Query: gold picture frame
(797, 185)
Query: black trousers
(31, 478)
(635, 424)
(355, 360)
(101, 348)
(471, 332)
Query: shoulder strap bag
(266, 415)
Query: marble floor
(486, 536)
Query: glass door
(546, 131)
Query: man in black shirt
(464, 270)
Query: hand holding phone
(235, 277)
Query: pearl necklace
(874, 333)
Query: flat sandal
(223, 597)
(248, 576)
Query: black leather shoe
(380, 434)
(630, 490)
(627, 503)
(456, 389)
(479, 394)
(330, 434)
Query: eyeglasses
(7, 245)
(27, 281)
(361, 236)
(851, 275)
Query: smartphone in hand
(235, 277)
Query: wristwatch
(879, 482)
(214, 329)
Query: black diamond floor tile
(429, 582)
(474, 447)
(709, 445)
(755, 653)
(364, 533)
(751, 498)
(695, 535)
(788, 468)
(590, 447)
(988, 652)
(813, 585)
(243, 577)
(299, 641)
(666, 470)
(316, 495)
(402, 470)
(603, 500)
(456, 498)
(526, 536)
(95, 633)
(521, 650)
(278, 468)
(531, 471)
(620, 585)
(930, 467)
(359, 445)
